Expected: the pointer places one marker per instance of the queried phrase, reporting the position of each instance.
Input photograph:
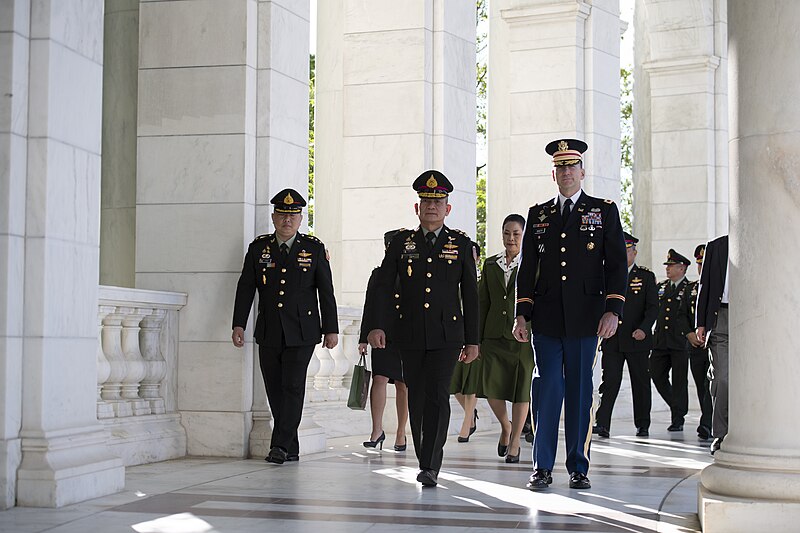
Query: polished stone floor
(637, 485)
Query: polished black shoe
(579, 481)
(675, 427)
(540, 479)
(512, 458)
(642, 432)
(463, 439)
(375, 443)
(529, 437)
(601, 431)
(502, 449)
(277, 455)
(703, 433)
(292, 457)
(428, 477)
(474, 427)
(716, 444)
(401, 447)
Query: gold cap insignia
(563, 146)
(288, 200)
(432, 183)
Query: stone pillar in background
(554, 72)
(754, 483)
(395, 96)
(118, 169)
(687, 76)
(195, 190)
(64, 455)
(14, 51)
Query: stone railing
(137, 373)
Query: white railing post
(155, 365)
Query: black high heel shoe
(375, 443)
(474, 425)
(401, 447)
(513, 458)
(502, 449)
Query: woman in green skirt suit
(507, 364)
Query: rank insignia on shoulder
(312, 238)
(608, 201)
(264, 236)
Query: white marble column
(554, 72)
(64, 455)
(686, 73)
(754, 483)
(118, 169)
(14, 51)
(395, 96)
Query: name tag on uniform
(538, 229)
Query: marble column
(64, 454)
(554, 73)
(14, 52)
(754, 483)
(395, 96)
(118, 169)
(686, 71)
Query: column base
(726, 514)
(64, 467)
(10, 458)
(146, 439)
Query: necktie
(567, 209)
(430, 237)
(284, 251)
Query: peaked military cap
(699, 252)
(432, 184)
(674, 258)
(630, 240)
(288, 201)
(566, 152)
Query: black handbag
(359, 386)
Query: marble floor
(638, 485)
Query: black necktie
(284, 251)
(565, 211)
(430, 237)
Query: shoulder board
(264, 236)
(606, 200)
(644, 268)
(660, 283)
(460, 232)
(311, 238)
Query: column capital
(539, 11)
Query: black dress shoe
(277, 455)
(291, 457)
(579, 481)
(540, 479)
(401, 447)
(463, 439)
(502, 449)
(513, 458)
(716, 444)
(601, 431)
(675, 427)
(703, 433)
(428, 477)
(642, 432)
(474, 427)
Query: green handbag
(359, 386)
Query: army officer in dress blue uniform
(438, 320)
(632, 344)
(296, 308)
(571, 286)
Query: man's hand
(362, 348)
(701, 335)
(638, 335)
(330, 340)
(693, 340)
(377, 338)
(238, 337)
(469, 353)
(608, 325)
(520, 331)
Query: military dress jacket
(640, 312)
(572, 273)
(497, 301)
(438, 291)
(673, 324)
(288, 290)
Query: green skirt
(507, 370)
(467, 378)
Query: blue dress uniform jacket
(287, 290)
(439, 291)
(640, 312)
(569, 276)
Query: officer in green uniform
(296, 307)
(438, 320)
(698, 354)
(670, 347)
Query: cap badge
(432, 183)
(563, 146)
(288, 200)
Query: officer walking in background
(437, 323)
(698, 353)
(670, 347)
(632, 344)
(296, 306)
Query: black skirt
(386, 362)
